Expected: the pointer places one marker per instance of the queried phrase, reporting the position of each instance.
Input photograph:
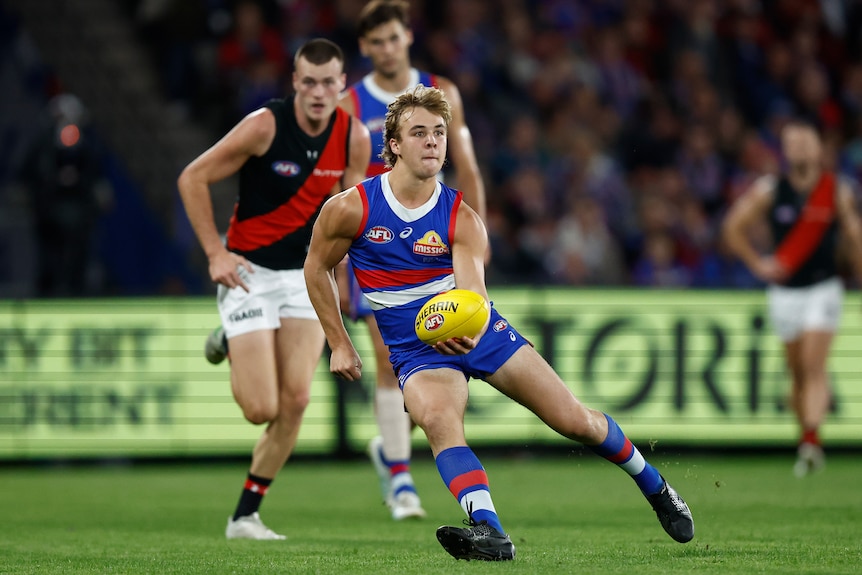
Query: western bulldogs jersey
(402, 257)
(282, 191)
(369, 105)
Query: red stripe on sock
(256, 487)
(399, 468)
(469, 479)
(810, 436)
(624, 454)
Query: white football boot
(250, 527)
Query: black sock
(252, 494)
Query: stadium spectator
(584, 251)
(251, 60)
(635, 76)
(68, 190)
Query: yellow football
(455, 313)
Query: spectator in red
(252, 60)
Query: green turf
(566, 515)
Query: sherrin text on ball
(455, 313)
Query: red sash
(817, 215)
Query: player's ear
(393, 145)
(409, 34)
(363, 47)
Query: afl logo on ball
(379, 235)
(285, 168)
(500, 325)
(433, 322)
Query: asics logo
(405, 233)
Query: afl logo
(285, 168)
(500, 325)
(434, 321)
(379, 235)
(785, 214)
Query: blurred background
(612, 136)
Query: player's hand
(456, 345)
(770, 270)
(230, 269)
(345, 363)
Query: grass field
(573, 514)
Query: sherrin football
(454, 313)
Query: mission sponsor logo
(430, 245)
(379, 235)
(245, 314)
(285, 168)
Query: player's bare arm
(468, 256)
(749, 209)
(851, 228)
(333, 233)
(250, 137)
(360, 154)
(461, 152)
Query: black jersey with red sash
(282, 191)
(806, 231)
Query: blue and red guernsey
(369, 105)
(402, 257)
(282, 191)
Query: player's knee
(258, 413)
(293, 404)
(587, 427)
(433, 421)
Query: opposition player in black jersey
(291, 154)
(806, 208)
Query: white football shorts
(272, 295)
(794, 310)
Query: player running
(385, 38)
(807, 209)
(397, 280)
(291, 155)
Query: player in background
(807, 208)
(385, 38)
(398, 276)
(291, 155)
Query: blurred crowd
(612, 134)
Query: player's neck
(410, 190)
(394, 84)
(804, 180)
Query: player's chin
(319, 112)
